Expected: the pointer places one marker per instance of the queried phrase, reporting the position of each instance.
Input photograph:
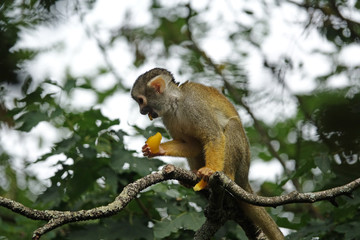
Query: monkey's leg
(214, 157)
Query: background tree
(312, 132)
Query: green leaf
(271, 189)
(351, 230)
(69, 85)
(31, 119)
(144, 166)
(248, 11)
(265, 156)
(64, 146)
(86, 172)
(111, 178)
(188, 221)
(357, 4)
(35, 96)
(114, 228)
(323, 162)
(312, 229)
(285, 223)
(52, 195)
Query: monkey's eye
(140, 100)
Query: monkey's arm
(175, 148)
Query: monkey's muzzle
(152, 115)
(150, 112)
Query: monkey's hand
(148, 153)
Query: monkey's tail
(262, 219)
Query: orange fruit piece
(153, 142)
(200, 185)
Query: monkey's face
(151, 91)
(148, 99)
(146, 107)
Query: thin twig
(293, 197)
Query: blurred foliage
(318, 146)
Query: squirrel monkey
(206, 129)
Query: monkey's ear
(158, 83)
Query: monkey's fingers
(147, 152)
(205, 173)
(145, 147)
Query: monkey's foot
(205, 173)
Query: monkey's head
(156, 92)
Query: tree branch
(331, 9)
(58, 218)
(215, 214)
(217, 180)
(293, 197)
